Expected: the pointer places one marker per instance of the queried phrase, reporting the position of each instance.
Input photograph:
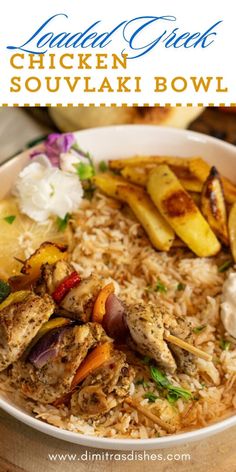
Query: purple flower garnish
(57, 144)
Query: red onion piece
(113, 321)
(46, 349)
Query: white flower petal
(44, 190)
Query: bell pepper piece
(65, 286)
(93, 360)
(15, 297)
(99, 309)
(46, 253)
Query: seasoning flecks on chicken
(52, 275)
(19, 323)
(104, 389)
(145, 323)
(53, 380)
(78, 302)
(181, 328)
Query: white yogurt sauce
(228, 305)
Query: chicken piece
(52, 275)
(181, 328)
(53, 380)
(78, 303)
(19, 323)
(104, 389)
(145, 323)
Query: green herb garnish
(10, 219)
(225, 266)
(5, 290)
(84, 171)
(179, 392)
(146, 360)
(142, 382)
(63, 222)
(198, 329)
(180, 287)
(225, 345)
(173, 393)
(103, 166)
(158, 377)
(84, 154)
(172, 397)
(160, 287)
(150, 396)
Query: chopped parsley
(180, 287)
(198, 329)
(225, 266)
(150, 396)
(225, 345)
(103, 166)
(173, 392)
(142, 382)
(160, 287)
(10, 219)
(63, 222)
(5, 290)
(146, 360)
(84, 171)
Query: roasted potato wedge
(160, 233)
(232, 230)
(143, 161)
(158, 230)
(196, 198)
(108, 184)
(213, 205)
(201, 170)
(139, 176)
(179, 209)
(136, 175)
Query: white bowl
(122, 141)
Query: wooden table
(23, 449)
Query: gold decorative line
(102, 105)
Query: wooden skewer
(187, 347)
(136, 405)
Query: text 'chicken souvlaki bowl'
(118, 287)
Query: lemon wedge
(20, 236)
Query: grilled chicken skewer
(144, 322)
